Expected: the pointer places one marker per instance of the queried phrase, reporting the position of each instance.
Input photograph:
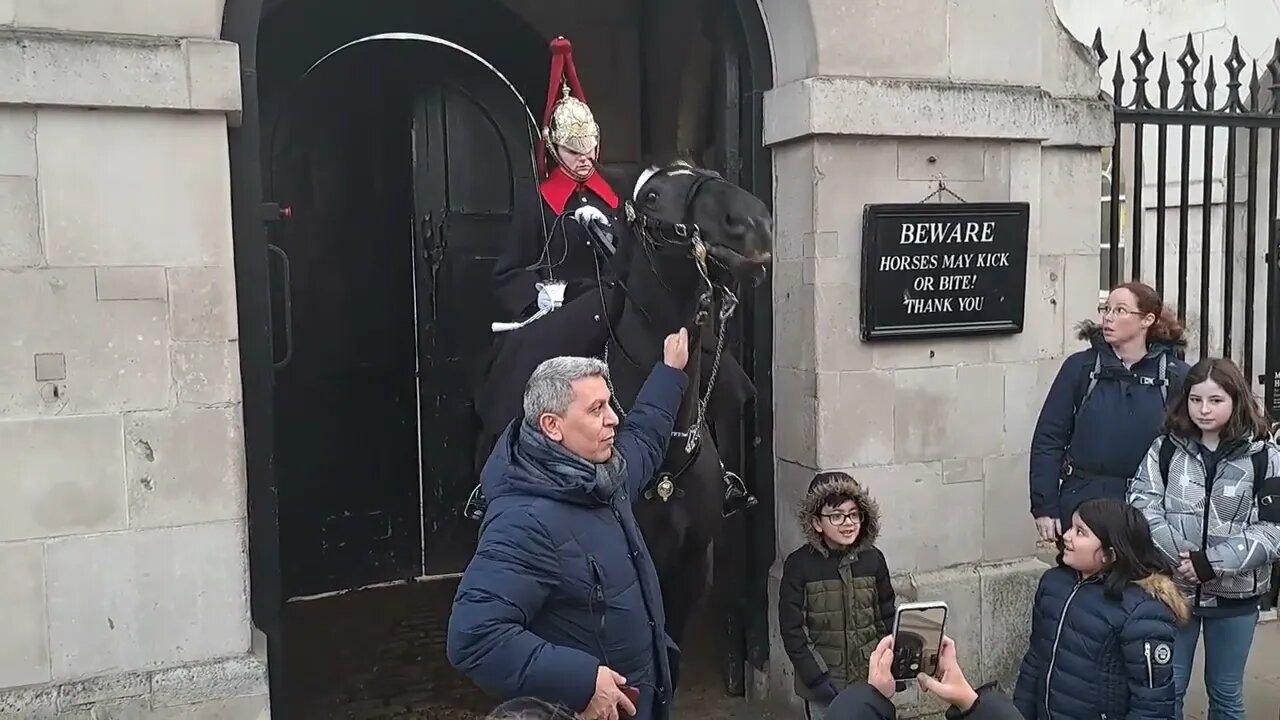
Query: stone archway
(243, 21)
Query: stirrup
(736, 497)
(476, 505)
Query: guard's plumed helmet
(568, 121)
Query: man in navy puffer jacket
(561, 601)
(1095, 447)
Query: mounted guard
(557, 279)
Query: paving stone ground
(380, 654)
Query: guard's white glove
(588, 214)
(550, 295)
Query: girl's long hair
(1248, 421)
(1130, 554)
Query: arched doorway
(362, 310)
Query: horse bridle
(653, 230)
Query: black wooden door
(471, 157)
(346, 396)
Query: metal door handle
(288, 308)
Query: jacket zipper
(1151, 674)
(1057, 637)
(1208, 505)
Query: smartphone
(917, 638)
(633, 694)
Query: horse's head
(679, 202)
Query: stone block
(17, 139)
(52, 69)
(1041, 334)
(25, 660)
(130, 709)
(19, 223)
(8, 12)
(789, 491)
(195, 18)
(254, 707)
(850, 173)
(923, 404)
(954, 160)
(50, 491)
(34, 701)
(207, 373)
(1025, 387)
(935, 352)
(147, 598)
(117, 354)
(1080, 297)
(202, 303)
(976, 422)
(831, 105)
(853, 409)
(796, 407)
(881, 38)
(1008, 594)
(157, 191)
(926, 525)
(1071, 183)
(131, 283)
(185, 466)
(837, 341)
(1009, 531)
(214, 70)
(793, 201)
(1012, 60)
(103, 688)
(793, 317)
(241, 676)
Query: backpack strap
(1093, 381)
(1164, 379)
(1259, 470)
(1166, 456)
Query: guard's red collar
(559, 187)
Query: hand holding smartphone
(918, 629)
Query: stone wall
(905, 90)
(122, 532)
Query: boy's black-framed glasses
(840, 518)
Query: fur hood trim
(821, 489)
(1162, 588)
(1091, 331)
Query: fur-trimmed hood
(1162, 588)
(823, 487)
(1091, 332)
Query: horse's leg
(688, 582)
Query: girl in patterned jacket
(1210, 490)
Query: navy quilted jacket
(1094, 657)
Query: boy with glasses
(836, 601)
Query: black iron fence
(1226, 240)
(1224, 236)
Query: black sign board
(944, 270)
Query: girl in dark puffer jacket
(1104, 624)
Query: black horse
(688, 240)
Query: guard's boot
(736, 497)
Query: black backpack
(1259, 459)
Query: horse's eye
(651, 198)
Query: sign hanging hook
(942, 188)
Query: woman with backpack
(1210, 490)
(1105, 406)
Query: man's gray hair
(550, 388)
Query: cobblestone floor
(380, 654)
